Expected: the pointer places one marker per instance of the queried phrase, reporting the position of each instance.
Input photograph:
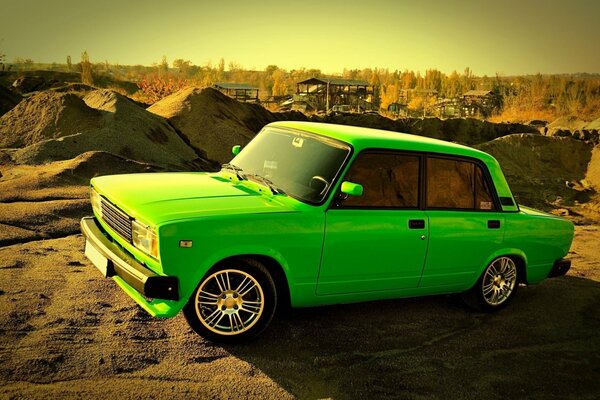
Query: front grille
(116, 219)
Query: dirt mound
(62, 179)
(29, 81)
(463, 130)
(58, 126)
(542, 169)
(42, 201)
(375, 121)
(27, 84)
(593, 171)
(213, 122)
(568, 123)
(74, 87)
(47, 115)
(8, 100)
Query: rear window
(457, 184)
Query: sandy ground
(65, 332)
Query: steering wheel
(318, 178)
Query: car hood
(157, 198)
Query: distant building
(479, 103)
(449, 108)
(238, 91)
(398, 109)
(323, 94)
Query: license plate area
(103, 264)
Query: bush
(155, 87)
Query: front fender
(187, 288)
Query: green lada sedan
(309, 214)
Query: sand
(541, 170)
(65, 332)
(47, 115)
(51, 126)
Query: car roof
(364, 138)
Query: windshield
(300, 164)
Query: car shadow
(544, 344)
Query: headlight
(96, 201)
(144, 238)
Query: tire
(496, 287)
(233, 303)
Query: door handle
(416, 224)
(493, 224)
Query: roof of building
(361, 138)
(230, 85)
(334, 81)
(478, 93)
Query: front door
(376, 241)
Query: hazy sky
(505, 36)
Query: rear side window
(388, 180)
(457, 184)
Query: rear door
(466, 226)
(376, 241)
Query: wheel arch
(272, 265)
(517, 255)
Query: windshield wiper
(274, 189)
(237, 170)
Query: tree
(86, 69)
(69, 63)
(279, 86)
(182, 65)
(163, 67)
(2, 55)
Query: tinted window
(302, 164)
(388, 180)
(457, 184)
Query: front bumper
(132, 272)
(560, 268)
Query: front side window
(388, 180)
(457, 184)
(301, 164)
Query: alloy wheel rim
(499, 281)
(229, 302)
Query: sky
(508, 37)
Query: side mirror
(236, 149)
(352, 189)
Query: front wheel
(233, 303)
(496, 287)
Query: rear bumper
(132, 272)
(560, 268)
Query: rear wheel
(233, 303)
(496, 287)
